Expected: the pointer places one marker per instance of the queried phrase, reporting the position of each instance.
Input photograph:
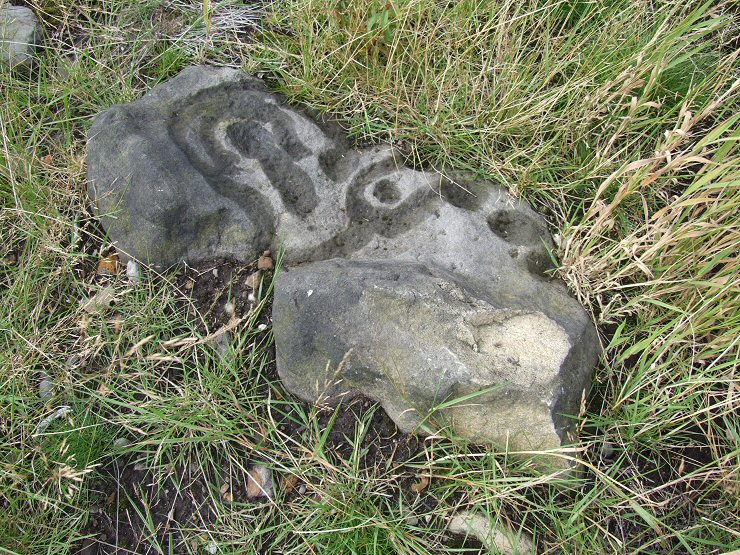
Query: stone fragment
(102, 300)
(495, 537)
(259, 482)
(132, 271)
(253, 280)
(20, 34)
(431, 294)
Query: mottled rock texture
(429, 294)
(20, 33)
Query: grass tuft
(617, 120)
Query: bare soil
(134, 507)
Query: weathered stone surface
(426, 344)
(495, 536)
(396, 283)
(20, 33)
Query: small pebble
(259, 482)
(302, 489)
(121, 443)
(251, 298)
(229, 309)
(411, 520)
(211, 548)
(262, 327)
(46, 386)
(132, 271)
(253, 281)
(215, 272)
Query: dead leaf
(48, 159)
(421, 485)
(100, 301)
(10, 259)
(108, 265)
(226, 494)
(117, 323)
(290, 482)
(265, 262)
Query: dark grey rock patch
(20, 34)
(409, 287)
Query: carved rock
(402, 285)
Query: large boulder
(20, 33)
(428, 293)
(432, 349)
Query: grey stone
(20, 34)
(132, 271)
(428, 293)
(46, 385)
(496, 537)
(435, 349)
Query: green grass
(617, 120)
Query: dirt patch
(134, 508)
